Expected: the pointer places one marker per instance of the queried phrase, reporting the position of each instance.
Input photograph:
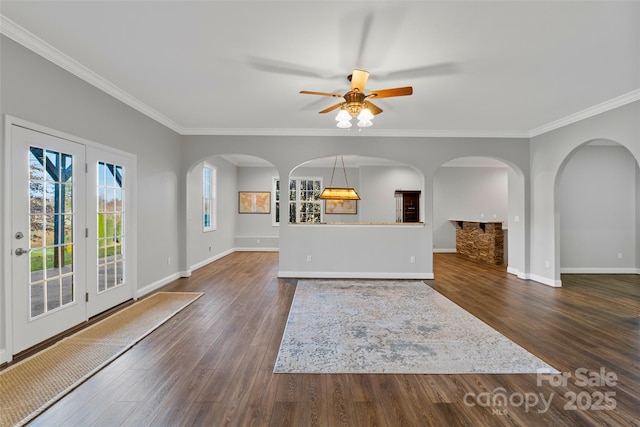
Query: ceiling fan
(356, 103)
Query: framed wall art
(254, 202)
(349, 207)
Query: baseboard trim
(444, 251)
(591, 270)
(546, 281)
(353, 275)
(210, 260)
(258, 249)
(157, 285)
(519, 274)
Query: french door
(109, 251)
(69, 241)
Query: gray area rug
(349, 326)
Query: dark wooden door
(411, 206)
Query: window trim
(213, 182)
(274, 202)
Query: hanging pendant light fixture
(339, 193)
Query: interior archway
(234, 173)
(481, 189)
(375, 180)
(366, 242)
(597, 205)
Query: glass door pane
(110, 216)
(51, 237)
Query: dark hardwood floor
(211, 365)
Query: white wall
(35, 90)
(597, 197)
(549, 152)
(517, 255)
(471, 193)
(356, 251)
(637, 220)
(205, 247)
(377, 190)
(255, 231)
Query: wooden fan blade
(388, 93)
(333, 107)
(375, 110)
(359, 80)
(309, 92)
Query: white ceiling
(235, 67)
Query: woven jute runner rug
(31, 385)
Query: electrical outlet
(619, 255)
(413, 259)
(308, 258)
(169, 261)
(547, 263)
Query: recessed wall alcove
(597, 203)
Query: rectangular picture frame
(340, 207)
(254, 202)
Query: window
(110, 228)
(275, 200)
(304, 200)
(208, 198)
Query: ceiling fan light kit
(355, 102)
(343, 118)
(365, 118)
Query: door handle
(20, 251)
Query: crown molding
(32, 42)
(357, 132)
(619, 101)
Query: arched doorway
(375, 179)
(216, 226)
(481, 189)
(367, 243)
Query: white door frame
(101, 301)
(6, 318)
